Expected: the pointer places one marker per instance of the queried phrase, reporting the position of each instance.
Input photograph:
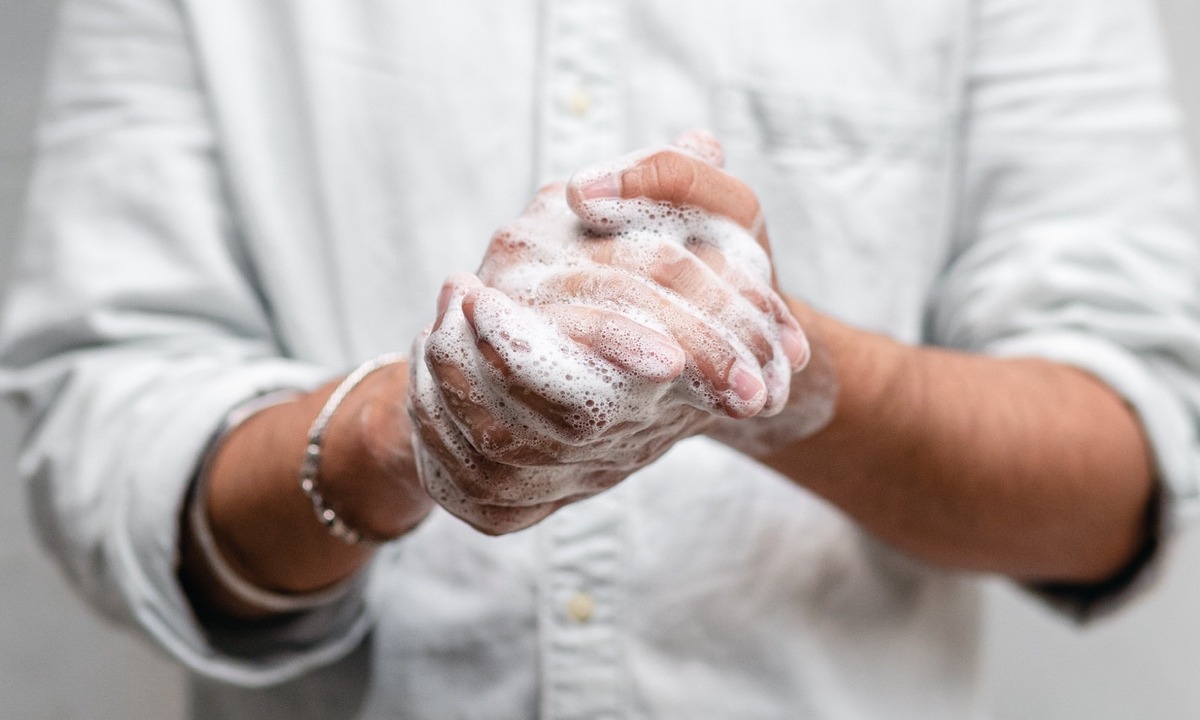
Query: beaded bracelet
(311, 466)
(245, 591)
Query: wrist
(367, 468)
(872, 373)
(264, 524)
(868, 384)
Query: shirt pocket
(856, 194)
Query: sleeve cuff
(1084, 603)
(1168, 427)
(145, 550)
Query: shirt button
(580, 607)
(579, 103)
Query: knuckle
(594, 284)
(672, 273)
(671, 177)
(569, 284)
(675, 268)
(710, 255)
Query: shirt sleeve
(133, 324)
(1078, 237)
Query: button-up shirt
(233, 196)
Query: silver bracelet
(311, 466)
(230, 580)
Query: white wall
(57, 662)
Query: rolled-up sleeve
(133, 324)
(1078, 235)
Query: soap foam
(566, 418)
(551, 244)
(605, 415)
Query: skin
(504, 476)
(1017, 466)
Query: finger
(454, 474)
(761, 319)
(477, 477)
(454, 288)
(470, 381)
(725, 376)
(509, 247)
(520, 391)
(618, 339)
(531, 493)
(743, 306)
(578, 371)
(764, 299)
(736, 302)
(666, 176)
(492, 519)
(487, 421)
(473, 401)
(440, 483)
(737, 267)
(496, 520)
(627, 344)
(724, 290)
(683, 273)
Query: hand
(654, 329)
(694, 178)
(520, 410)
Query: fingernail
(607, 185)
(745, 382)
(795, 344)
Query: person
(982, 251)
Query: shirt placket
(581, 120)
(581, 100)
(582, 672)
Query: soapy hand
(615, 317)
(666, 176)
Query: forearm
(262, 522)
(1024, 467)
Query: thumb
(683, 174)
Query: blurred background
(58, 662)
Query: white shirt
(238, 195)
